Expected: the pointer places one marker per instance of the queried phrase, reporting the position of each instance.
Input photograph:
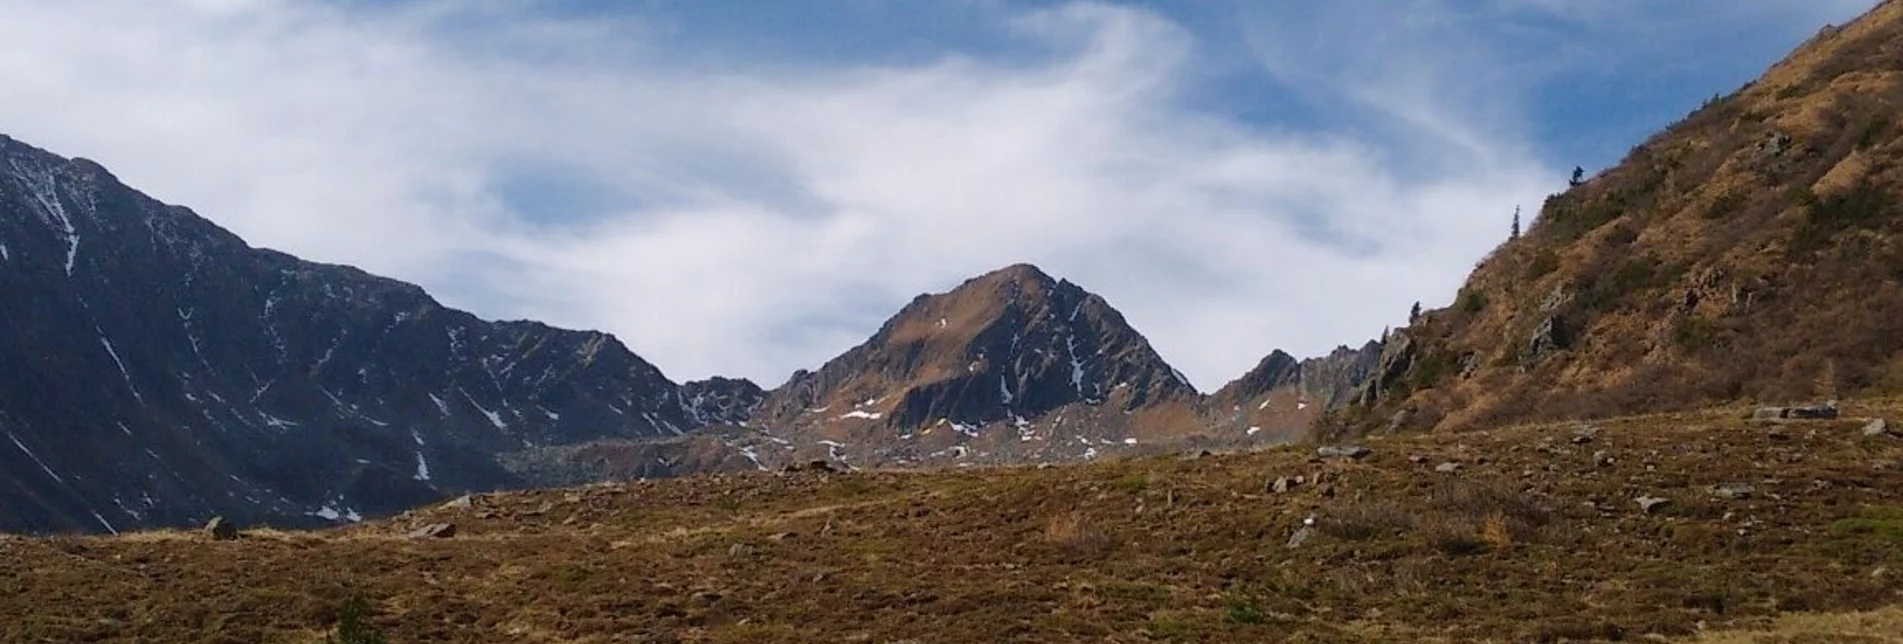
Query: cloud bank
(746, 217)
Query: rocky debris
(433, 531)
(820, 466)
(463, 502)
(1418, 459)
(1450, 467)
(740, 550)
(1826, 411)
(220, 529)
(1585, 434)
(1602, 459)
(1352, 452)
(1302, 534)
(1652, 504)
(1877, 427)
(1733, 491)
(1284, 484)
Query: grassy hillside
(1535, 535)
(1753, 251)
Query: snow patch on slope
(44, 190)
(122, 367)
(422, 465)
(35, 457)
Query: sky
(750, 187)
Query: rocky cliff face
(1282, 396)
(160, 371)
(1749, 253)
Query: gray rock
(1826, 411)
(1548, 338)
(463, 502)
(1733, 491)
(1283, 484)
(1652, 504)
(1355, 452)
(1602, 459)
(220, 529)
(1449, 467)
(434, 531)
(1876, 427)
(1301, 536)
(1585, 434)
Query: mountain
(1752, 252)
(160, 371)
(1282, 397)
(1009, 366)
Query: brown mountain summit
(997, 365)
(1749, 252)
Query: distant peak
(1017, 273)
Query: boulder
(1877, 427)
(220, 529)
(1825, 411)
(463, 502)
(434, 531)
(1301, 536)
(1354, 452)
(1733, 491)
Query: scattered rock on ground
(1652, 504)
(1355, 452)
(1449, 467)
(1733, 491)
(1301, 536)
(462, 502)
(1806, 412)
(1877, 427)
(1283, 484)
(1602, 459)
(220, 529)
(434, 531)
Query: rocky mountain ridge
(162, 371)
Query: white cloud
(752, 219)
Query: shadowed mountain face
(1752, 252)
(160, 371)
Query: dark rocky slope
(160, 371)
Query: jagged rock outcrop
(160, 372)
(720, 401)
(1282, 397)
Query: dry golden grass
(1156, 549)
(1884, 626)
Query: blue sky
(746, 188)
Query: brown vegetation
(1752, 252)
(1535, 537)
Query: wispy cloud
(747, 217)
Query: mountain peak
(1004, 348)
